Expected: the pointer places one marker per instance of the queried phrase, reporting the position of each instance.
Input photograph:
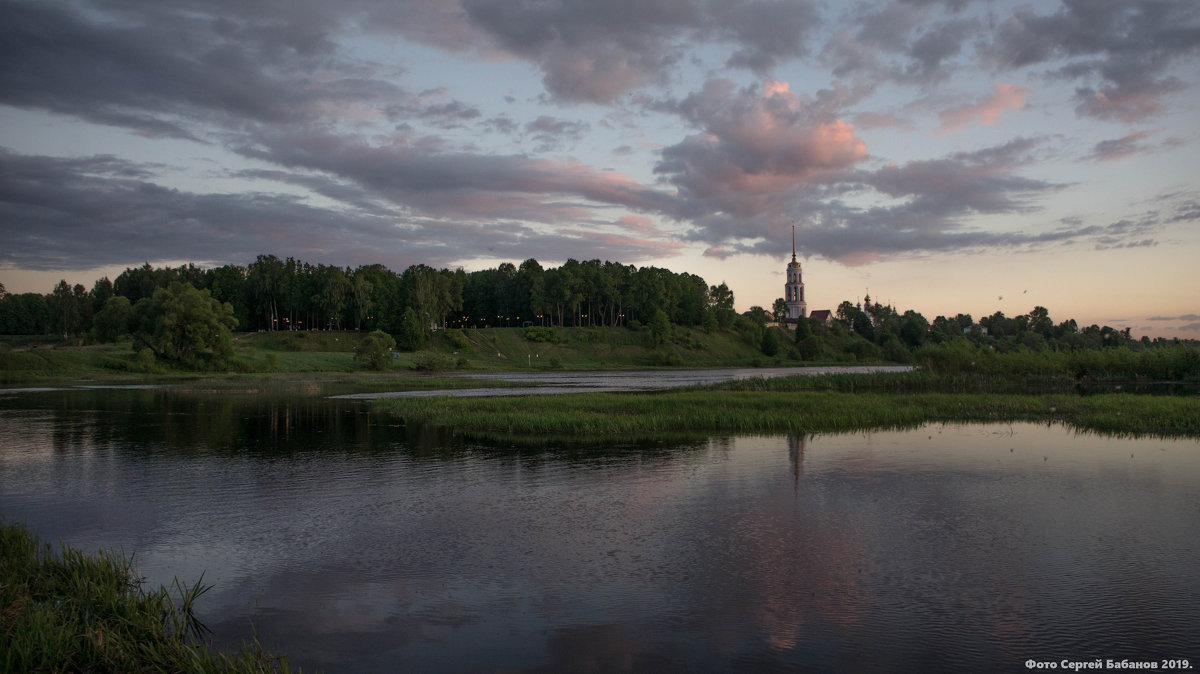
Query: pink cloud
(640, 224)
(757, 142)
(987, 111)
(875, 120)
(858, 258)
(1118, 104)
(649, 246)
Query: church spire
(793, 242)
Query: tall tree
(101, 290)
(779, 310)
(530, 291)
(266, 277)
(112, 321)
(70, 309)
(360, 292)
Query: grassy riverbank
(72, 612)
(792, 405)
(321, 352)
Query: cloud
(595, 52)
(987, 111)
(458, 185)
(60, 213)
(876, 120)
(900, 42)
(859, 216)
(755, 142)
(550, 133)
(1184, 317)
(1129, 102)
(1119, 148)
(1127, 47)
(163, 78)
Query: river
(355, 543)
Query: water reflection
(357, 543)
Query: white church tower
(793, 290)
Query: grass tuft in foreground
(74, 612)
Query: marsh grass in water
(738, 409)
(74, 612)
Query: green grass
(471, 350)
(73, 612)
(638, 415)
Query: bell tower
(793, 289)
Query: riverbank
(793, 405)
(73, 612)
(471, 350)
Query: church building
(793, 289)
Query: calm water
(357, 544)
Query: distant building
(822, 315)
(793, 290)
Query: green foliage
(803, 329)
(112, 321)
(770, 342)
(73, 612)
(749, 330)
(375, 351)
(809, 348)
(894, 351)
(660, 328)
(666, 357)
(144, 361)
(429, 361)
(457, 339)
(185, 326)
(412, 332)
(24, 314)
(70, 309)
(538, 333)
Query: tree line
(273, 294)
(288, 294)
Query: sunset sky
(947, 155)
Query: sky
(945, 156)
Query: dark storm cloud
(58, 213)
(159, 78)
(458, 184)
(277, 82)
(1124, 50)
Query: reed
(74, 612)
(631, 415)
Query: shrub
(770, 342)
(428, 361)
(145, 361)
(538, 333)
(376, 350)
